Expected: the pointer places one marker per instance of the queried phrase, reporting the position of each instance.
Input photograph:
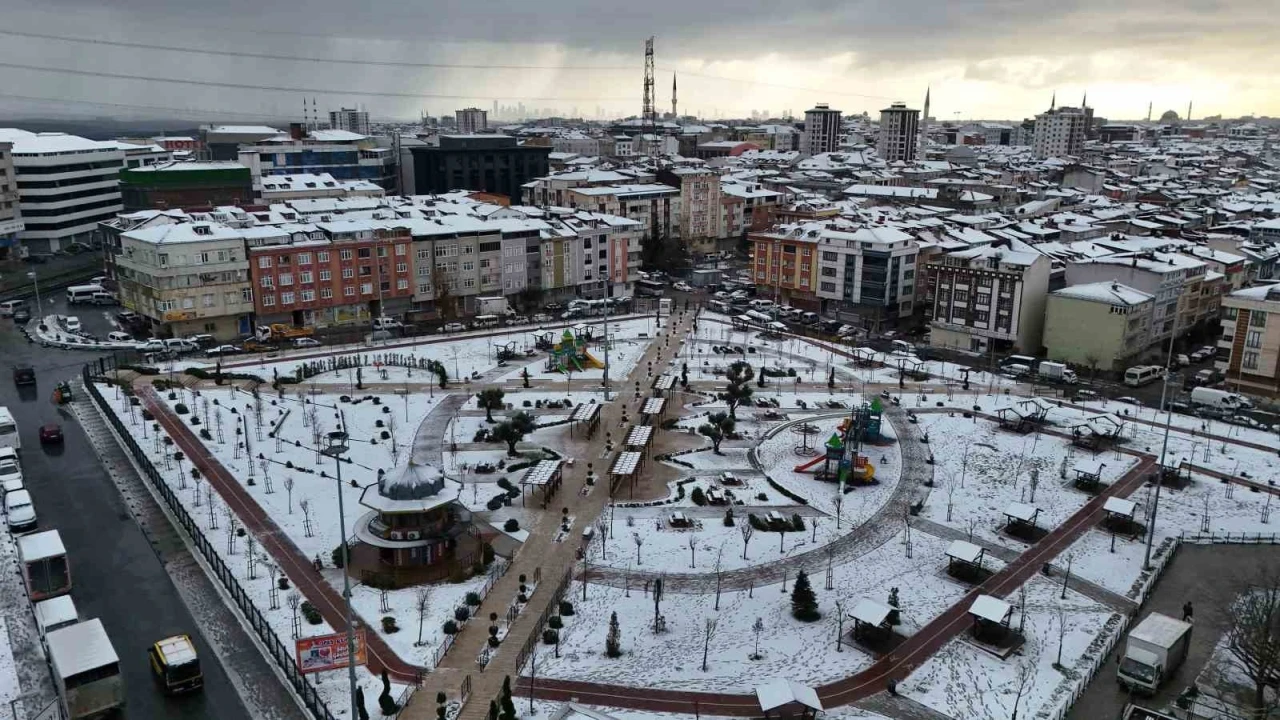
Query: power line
(308, 91)
(199, 112)
(419, 65)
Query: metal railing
(278, 651)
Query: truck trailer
(1057, 372)
(1153, 652)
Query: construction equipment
(282, 331)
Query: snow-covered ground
(962, 681)
(804, 652)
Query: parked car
(1200, 355)
(50, 433)
(119, 336)
(453, 327)
(683, 287)
(1086, 395)
(20, 512)
(24, 375)
(1243, 421)
(128, 317)
(1181, 407)
(221, 350)
(9, 307)
(10, 468)
(542, 318)
(22, 316)
(306, 342)
(1129, 400)
(71, 323)
(1182, 360)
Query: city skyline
(110, 59)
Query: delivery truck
(1153, 652)
(1218, 399)
(1057, 372)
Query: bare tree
(706, 641)
(305, 506)
(294, 600)
(719, 574)
(693, 550)
(951, 494)
(746, 530)
(1061, 612)
(639, 541)
(1253, 640)
(288, 489)
(757, 628)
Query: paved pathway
(429, 440)
(899, 707)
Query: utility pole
(1164, 445)
(336, 448)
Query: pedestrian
(1187, 612)
(892, 687)
(317, 563)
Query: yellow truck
(176, 665)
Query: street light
(36, 281)
(335, 448)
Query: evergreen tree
(804, 604)
(613, 641)
(508, 705)
(738, 390)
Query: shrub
(310, 612)
(555, 622)
(473, 598)
(461, 614)
(550, 636)
(336, 556)
(797, 522)
(488, 554)
(389, 624)
(495, 502)
(728, 517)
(511, 525)
(699, 497)
(450, 627)
(504, 483)
(522, 598)
(181, 408)
(494, 641)
(566, 608)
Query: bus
(86, 669)
(83, 293)
(650, 288)
(9, 430)
(1142, 375)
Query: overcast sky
(997, 59)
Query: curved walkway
(875, 531)
(428, 441)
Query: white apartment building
(989, 298)
(1059, 133)
(471, 120)
(10, 215)
(899, 133)
(350, 119)
(1249, 347)
(66, 185)
(1166, 277)
(188, 278)
(866, 271)
(576, 142)
(654, 205)
(821, 130)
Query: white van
(83, 293)
(902, 347)
(86, 669)
(8, 306)
(486, 321)
(809, 318)
(9, 430)
(1142, 375)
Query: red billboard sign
(327, 652)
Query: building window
(265, 281)
(424, 289)
(344, 254)
(304, 258)
(1253, 339)
(402, 284)
(308, 296)
(1250, 361)
(828, 256)
(325, 275)
(348, 273)
(206, 300)
(1229, 313)
(402, 249)
(326, 293)
(468, 265)
(268, 300)
(348, 291)
(366, 271)
(471, 282)
(364, 252)
(424, 253)
(263, 262)
(827, 287)
(286, 298)
(366, 288)
(322, 256)
(246, 295)
(382, 251)
(286, 278)
(1257, 319)
(828, 272)
(304, 277)
(402, 267)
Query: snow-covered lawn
(962, 681)
(804, 652)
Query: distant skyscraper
(899, 133)
(821, 130)
(471, 120)
(351, 119)
(1060, 132)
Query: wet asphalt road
(116, 574)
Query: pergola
(864, 356)
(625, 467)
(783, 698)
(871, 621)
(964, 560)
(1120, 515)
(1093, 431)
(639, 439)
(652, 410)
(990, 617)
(1089, 474)
(546, 475)
(586, 416)
(664, 385)
(1020, 520)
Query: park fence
(282, 655)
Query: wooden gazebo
(547, 476)
(664, 386)
(652, 410)
(871, 624)
(1020, 521)
(585, 417)
(786, 699)
(1089, 475)
(964, 561)
(639, 439)
(625, 468)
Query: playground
(570, 354)
(840, 459)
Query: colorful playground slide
(592, 360)
(863, 473)
(805, 467)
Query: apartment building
(491, 163)
(66, 185)
(1060, 132)
(655, 206)
(350, 119)
(1163, 276)
(332, 273)
(187, 277)
(185, 184)
(1249, 347)
(1100, 326)
(700, 206)
(10, 213)
(471, 121)
(988, 298)
(342, 154)
(821, 130)
(899, 133)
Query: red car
(50, 433)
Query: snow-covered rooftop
(626, 463)
(41, 545)
(964, 551)
(779, 692)
(80, 648)
(1120, 506)
(990, 608)
(1108, 292)
(541, 473)
(870, 611)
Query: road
(117, 575)
(1209, 576)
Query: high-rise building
(472, 120)
(821, 130)
(1060, 132)
(10, 216)
(356, 121)
(899, 133)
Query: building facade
(471, 121)
(989, 298)
(10, 212)
(1249, 347)
(342, 154)
(350, 119)
(489, 163)
(66, 185)
(1059, 133)
(700, 206)
(185, 184)
(821, 130)
(1099, 326)
(899, 133)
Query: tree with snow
(717, 427)
(613, 641)
(747, 531)
(489, 400)
(738, 390)
(513, 429)
(804, 603)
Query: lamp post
(36, 282)
(606, 337)
(335, 448)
